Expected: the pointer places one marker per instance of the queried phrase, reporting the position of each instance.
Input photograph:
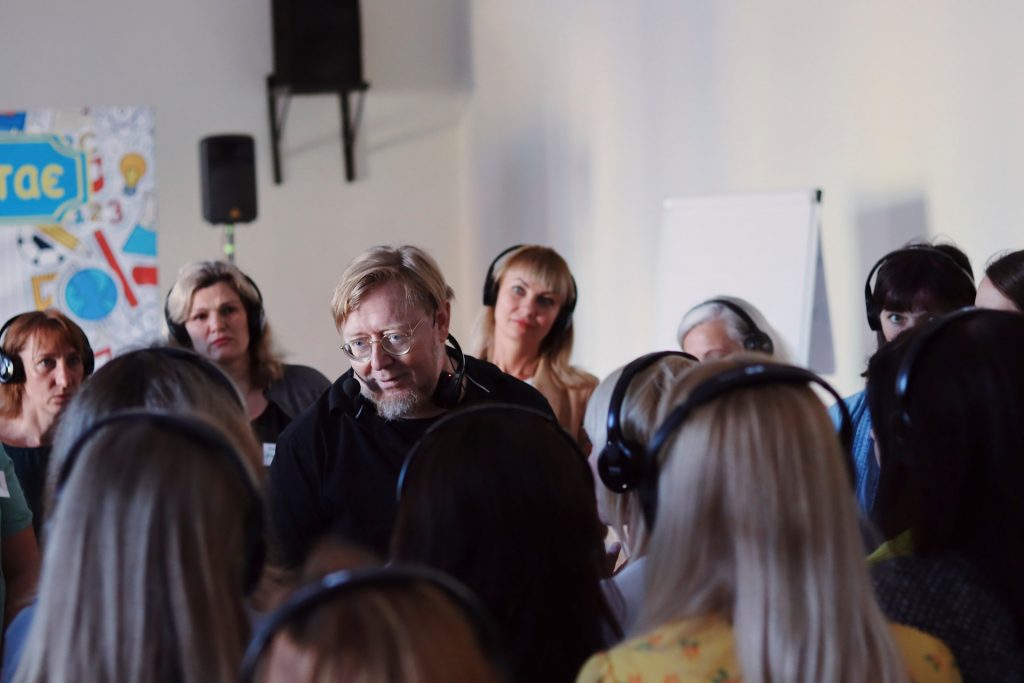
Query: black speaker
(318, 44)
(229, 178)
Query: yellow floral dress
(705, 652)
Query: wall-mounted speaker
(318, 45)
(228, 171)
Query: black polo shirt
(336, 466)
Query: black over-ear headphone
(620, 463)
(755, 338)
(874, 311)
(449, 387)
(201, 433)
(564, 319)
(12, 371)
(255, 316)
(476, 410)
(928, 333)
(205, 365)
(448, 391)
(338, 584)
(745, 375)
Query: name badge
(268, 454)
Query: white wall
(202, 64)
(889, 107)
(565, 122)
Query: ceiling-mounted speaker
(228, 172)
(318, 45)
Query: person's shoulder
(927, 657)
(306, 375)
(492, 384)
(686, 651)
(320, 414)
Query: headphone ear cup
(759, 341)
(8, 369)
(874, 316)
(257, 319)
(619, 467)
(179, 333)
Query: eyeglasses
(391, 343)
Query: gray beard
(397, 406)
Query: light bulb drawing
(133, 167)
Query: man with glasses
(336, 466)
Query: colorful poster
(78, 221)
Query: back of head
(412, 267)
(50, 323)
(1006, 273)
(502, 500)
(158, 378)
(744, 323)
(756, 525)
(957, 427)
(643, 408)
(144, 564)
(934, 278)
(403, 633)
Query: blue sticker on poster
(91, 294)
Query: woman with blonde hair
(154, 541)
(163, 379)
(755, 567)
(625, 409)
(217, 310)
(526, 329)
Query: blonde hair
(643, 408)
(143, 568)
(50, 323)
(411, 267)
(549, 268)
(757, 524)
(167, 379)
(265, 366)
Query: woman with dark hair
(526, 329)
(46, 357)
(913, 284)
(952, 474)
(502, 499)
(217, 310)
(1002, 288)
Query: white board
(760, 247)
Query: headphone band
(256, 316)
(199, 432)
(490, 298)
(619, 462)
(470, 412)
(11, 369)
(873, 311)
(205, 365)
(917, 345)
(340, 583)
(755, 339)
(744, 376)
